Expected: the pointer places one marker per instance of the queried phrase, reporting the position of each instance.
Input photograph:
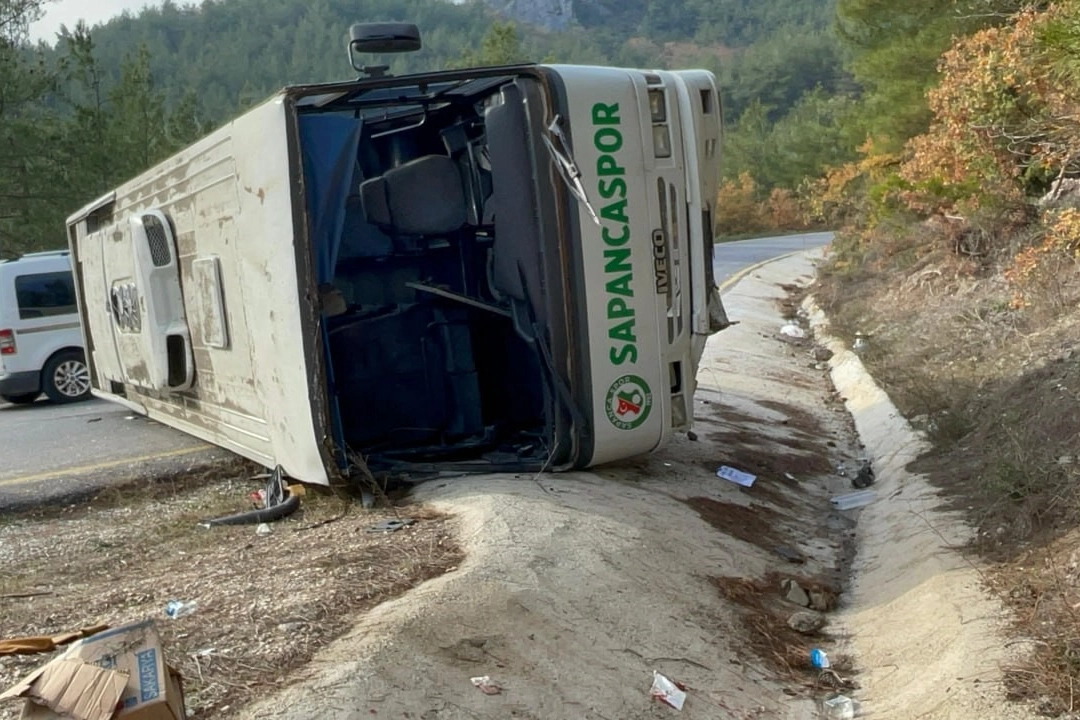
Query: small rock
(263, 529)
(821, 600)
(290, 627)
(822, 354)
(794, 593)
(806, 622)
(691, 436)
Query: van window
(45, 294)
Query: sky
(69, 12)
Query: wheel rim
(72, 378)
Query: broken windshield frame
(567, 167)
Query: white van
(41, 349)
(483, 269)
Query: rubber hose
(277, 512)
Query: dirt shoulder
(577, 587)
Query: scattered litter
(178, 608)
(861, 343)
(736, 476)
(822, 354)
(129, 417)
(486, 686)
(819, 659)
(389, 526)
(109, 674)
(792, 330)
(204, 652)
(854, 500)
(841, 468)
(667, 692)
(24, 595)
(790, 554)
(790, 477)
(865, 477)
(46, 643)
(840, 707)
(263, 530)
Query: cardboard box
(119, 673)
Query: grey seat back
(516, 249)
(422, 197)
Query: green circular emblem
(629, 401)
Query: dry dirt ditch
(568, 591)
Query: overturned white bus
(470, 270)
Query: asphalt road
(731, 258)
(54, 453)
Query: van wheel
(66, 378)
(24, 399)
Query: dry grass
(1042, 589)
(265, 604)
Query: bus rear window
(45, 294)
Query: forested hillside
(70, 127)
(231, 50)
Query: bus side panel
(619, 295)
(229, 201)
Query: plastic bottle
(178, 608)
(839, 708)
(819, 659)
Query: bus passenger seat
(423, 197)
